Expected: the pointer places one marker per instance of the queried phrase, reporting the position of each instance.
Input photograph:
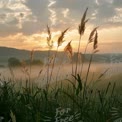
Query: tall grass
(68, 100)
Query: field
(28, 97)
(78, 91)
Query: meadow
(75, 92)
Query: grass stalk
(53, 64)
(83, 59)
(87, 74)
(77, 58)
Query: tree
(13, 62)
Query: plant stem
(48, 66)
(72, 65)
(84, 91)
(88, 68)
(59, 68)
(53, 63)
(83, 59)
(78, 55)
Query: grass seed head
(91, 36)
(49, 38)
(95, 41)
(81, 29)
(61, 37)
(68, 49)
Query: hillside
(6, 53)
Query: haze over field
(64, 71)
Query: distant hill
(105, 58)
(6, 53)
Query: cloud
(52, 11)
(13, 14)
(65, 12)
(51, 2)
(36, 14)
(22, 41)
(100, 11)
(39, 9)
(28, 19)
(117, 3)
(52, 16)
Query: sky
(23, 23)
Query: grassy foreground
(64, 103)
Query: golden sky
(23, 23)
